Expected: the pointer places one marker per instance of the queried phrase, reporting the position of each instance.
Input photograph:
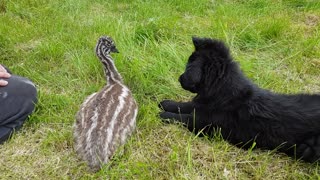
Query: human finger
(2, 69)
(4, 75)
(3, 82)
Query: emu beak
(114, 49)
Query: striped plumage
(105, 118)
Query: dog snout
(181, 78)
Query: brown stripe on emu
(106, 118)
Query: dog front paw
(165, 115)
(168, 117)
(166, 104)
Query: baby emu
(106, 118)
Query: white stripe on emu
(125, 128)
(84, 105)
(114, 117)
(94, 120)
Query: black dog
(244, 113)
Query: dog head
(206, 65)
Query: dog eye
(191, 60)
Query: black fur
(243, 112)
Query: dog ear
(213, 45)
(197, 42)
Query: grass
(277, 44)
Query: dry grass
(46, 152)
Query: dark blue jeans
(17, 102)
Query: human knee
(21, 87)
(18, 97)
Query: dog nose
(180, 78)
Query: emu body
(106, 118)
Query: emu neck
(111, 73)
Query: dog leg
(310, 149)
(174, 117)
(188, 120)
(177, 107)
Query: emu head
(106, 45)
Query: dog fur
(244, 113)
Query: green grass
(277, 44)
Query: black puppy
(243, 112)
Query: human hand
(3, 74)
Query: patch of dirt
(28, 46)
(315, 62)
(312, 20)
(3, 8)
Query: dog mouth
(186, 86)
(192, 89)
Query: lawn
(277, 44)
